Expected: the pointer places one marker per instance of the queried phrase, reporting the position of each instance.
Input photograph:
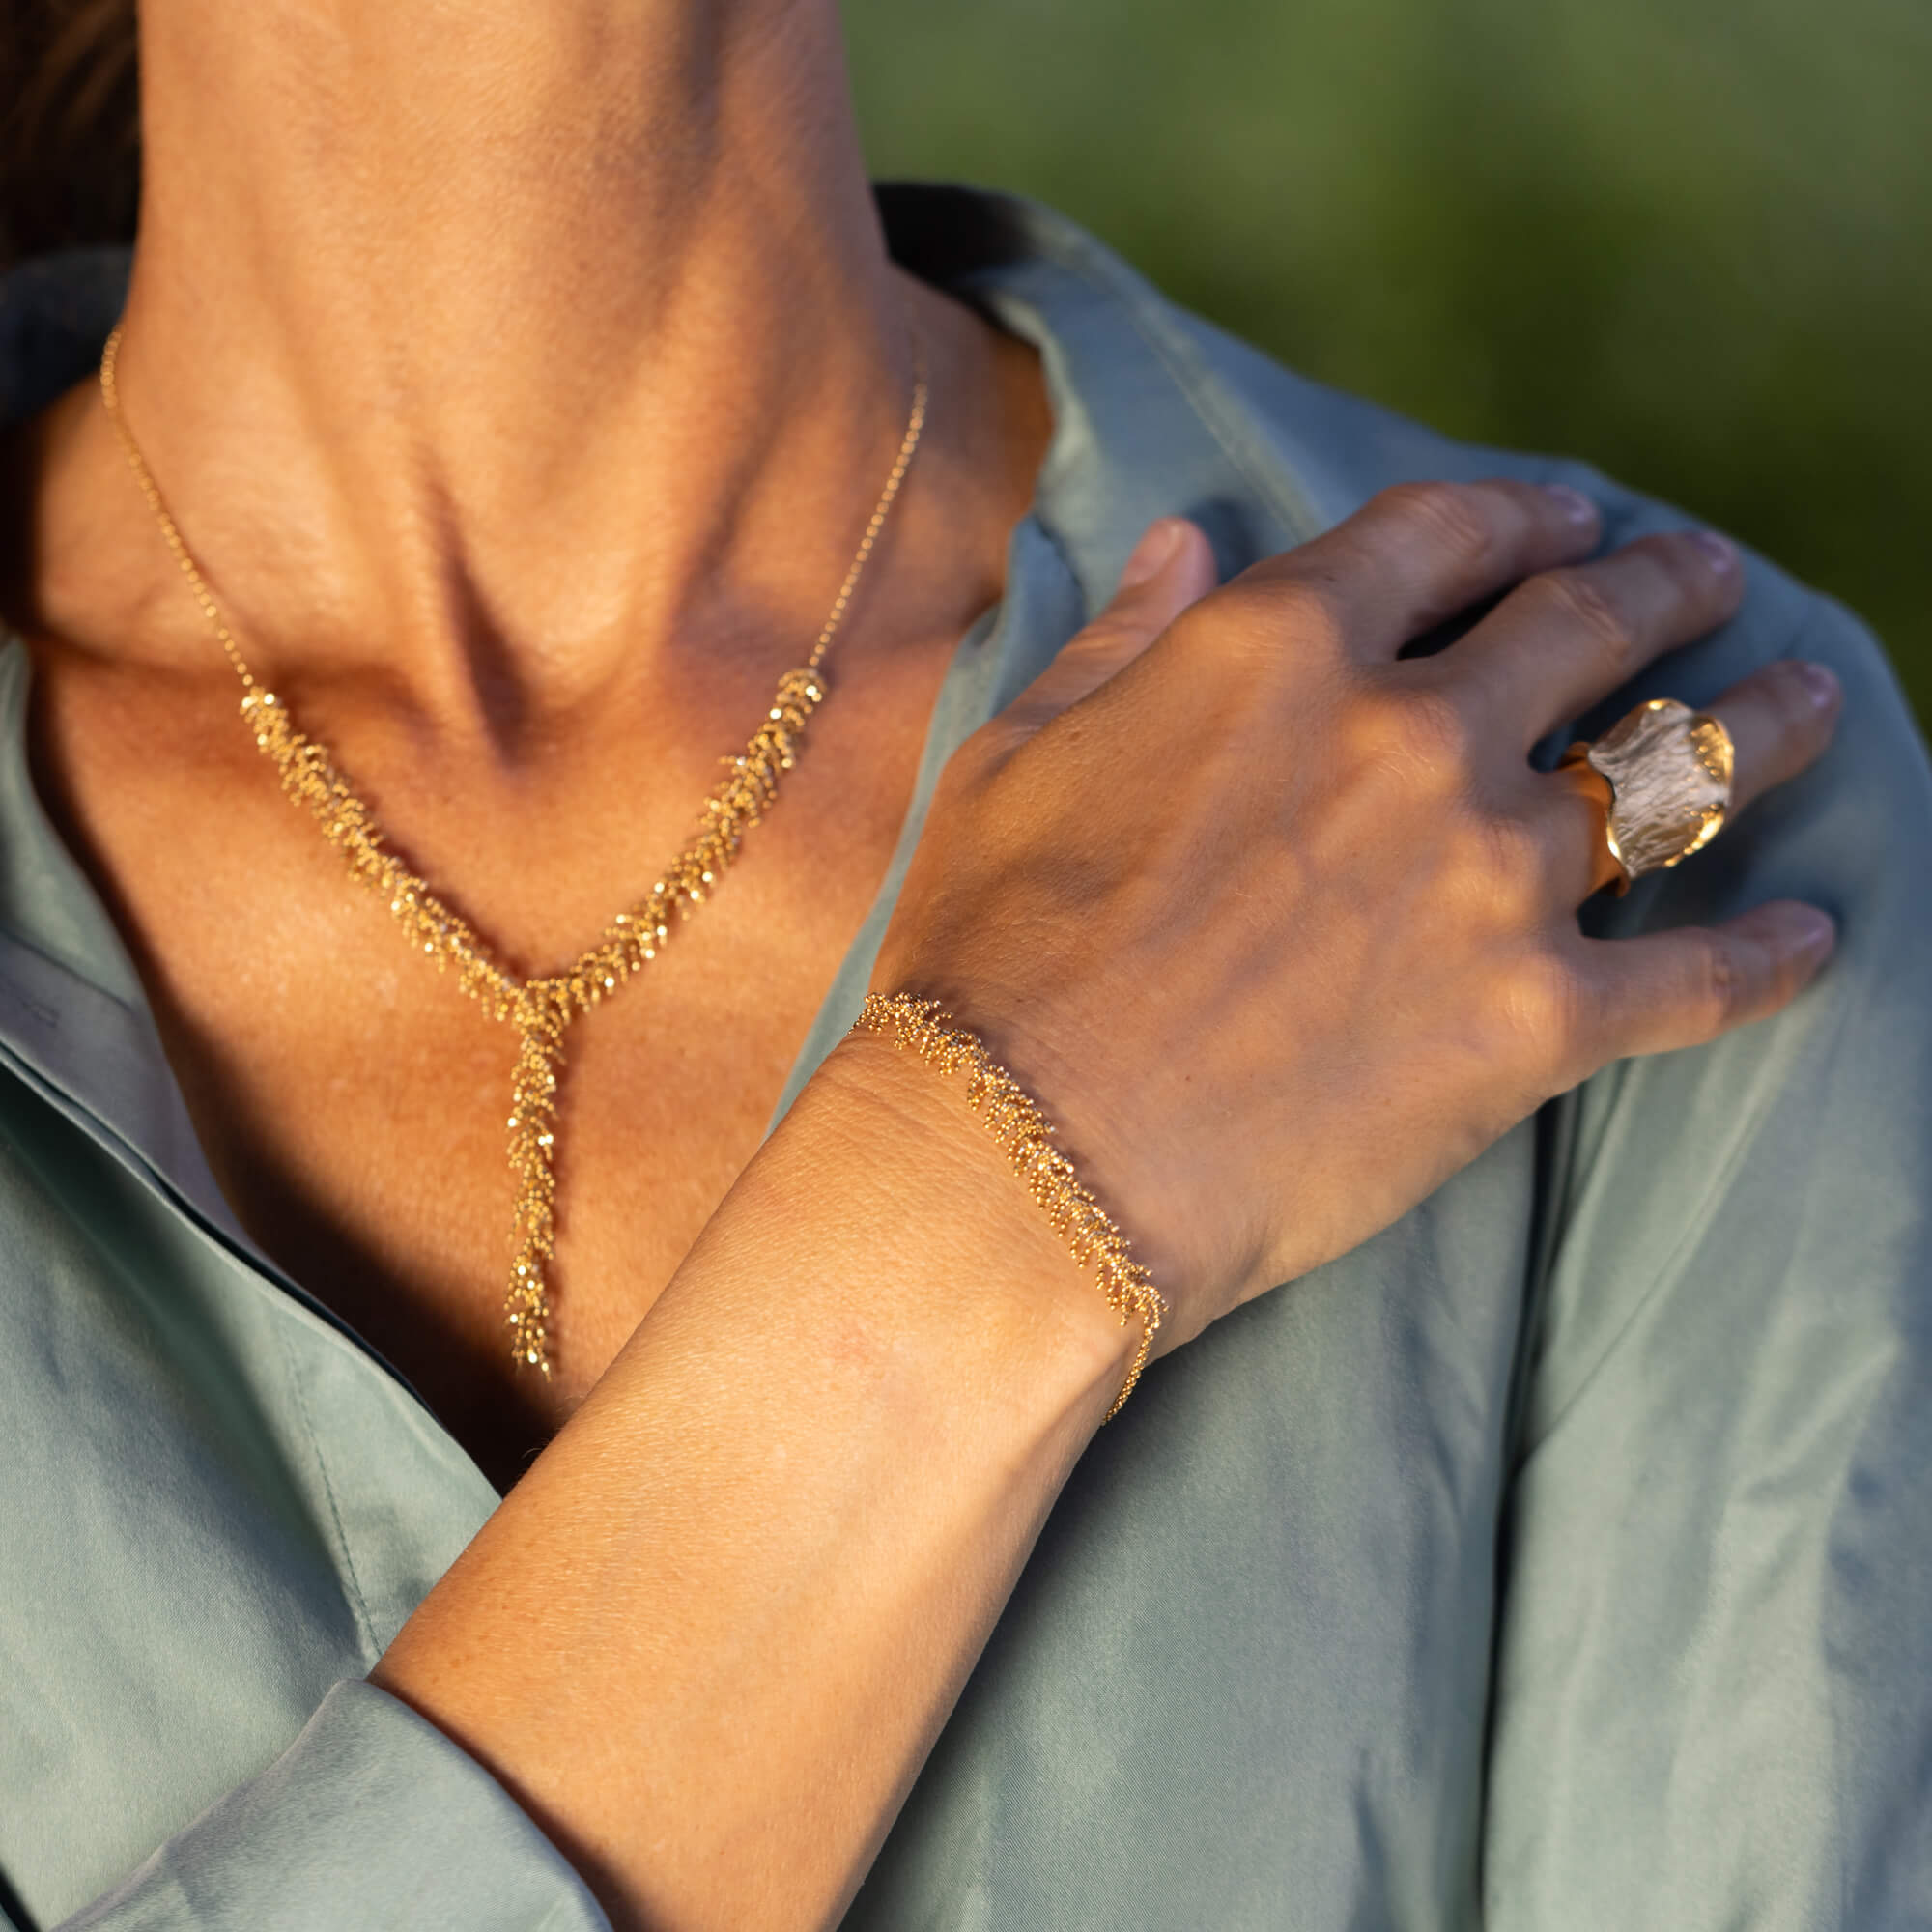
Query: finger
(1576, 813)
(1170, 568)
(1781, 719)
(1672, 989)
(1419, 554)
(1564, 640)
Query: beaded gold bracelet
(925, 1027)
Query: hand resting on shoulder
(1279, 927)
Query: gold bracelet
(1026, 1135)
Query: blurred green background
(1689, 241)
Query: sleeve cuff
(371, 1819)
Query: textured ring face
(1669, 772)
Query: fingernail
(1821, 685)
(1812, 932)
(1574, 505)
(1159, 543)
(1720, 552)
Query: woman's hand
(1280, 927)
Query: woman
(519, 387)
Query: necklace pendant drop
(540, 1008)
(540, 1017)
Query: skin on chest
(354, 1107)
(354, 1104)
(366, 1151)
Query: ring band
(1669, 772)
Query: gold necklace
(539, 1009)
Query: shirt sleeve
(1711, 1699)
(371, 1819)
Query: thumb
(1170, 568)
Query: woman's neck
(513, 355)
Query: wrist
(944, 1206)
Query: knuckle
(1417, 729)
(1575, 600)
(1311, 609)
(1454, 517)
(1515, 861)
(1542, 1004)
(1716, 984)
(1489, 873)
(1266, 620)
(1111, 635)
(1437, 733)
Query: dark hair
(70, 124)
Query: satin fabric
(1559, 1558)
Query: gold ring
(1670, 773)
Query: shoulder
(1863, 817)
(1164, 393)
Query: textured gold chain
(925, 1028)
(540, 1007)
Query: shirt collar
(1144, 425)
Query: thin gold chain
(539, 1008)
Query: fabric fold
(372, 1819)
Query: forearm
(711, 1635)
